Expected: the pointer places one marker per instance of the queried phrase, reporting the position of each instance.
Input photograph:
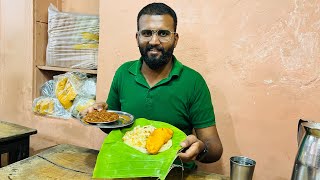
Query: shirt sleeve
(113, 99)
(201, 108)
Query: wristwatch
(203, 153)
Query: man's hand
(205, 137)
(97, 106)
(194, 147)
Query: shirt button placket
(148, 102)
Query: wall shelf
(41, 72)
(61, 69)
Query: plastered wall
(260, 60)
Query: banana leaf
(118, 160)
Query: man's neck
(154, 76)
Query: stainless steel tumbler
(241, 168)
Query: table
(69, 162)
(14, 140)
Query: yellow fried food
(65, 92)
(44, 106)
(157, 139)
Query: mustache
(159, 48)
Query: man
(158, 87)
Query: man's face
(156, 51)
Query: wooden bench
(14, 140)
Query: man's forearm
(214, 152)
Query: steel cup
(241, 168)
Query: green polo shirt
(182, 99)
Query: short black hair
(158, 9)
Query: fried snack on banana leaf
(157, 139)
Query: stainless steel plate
(125, 119)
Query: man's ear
(137, 39)
(176, 38)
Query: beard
(154, 62)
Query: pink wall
(259, 58)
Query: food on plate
(101, 116)
(157, 139)
(124, 119)
(138, 138)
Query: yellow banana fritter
(157, 139)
